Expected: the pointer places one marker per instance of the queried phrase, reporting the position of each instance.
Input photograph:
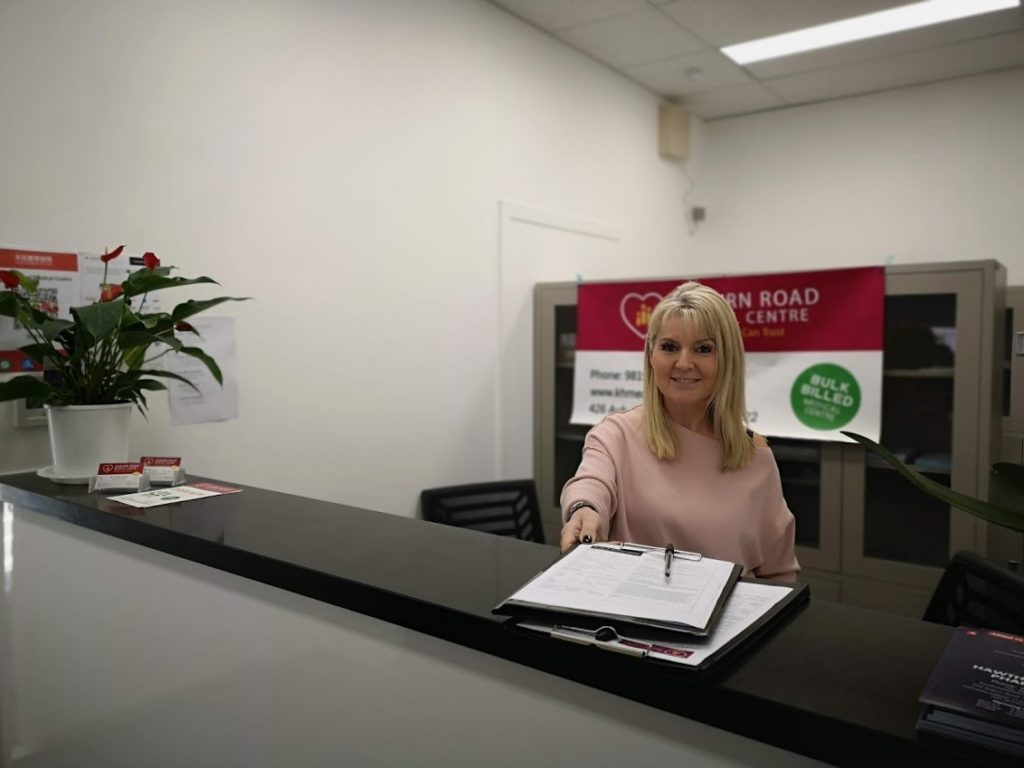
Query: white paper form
(746, 605)
(212, 402)
(622, 583)
(161, 496)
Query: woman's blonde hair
(707, 311)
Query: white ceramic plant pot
(84, 436)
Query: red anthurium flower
(111, 292)
(9, 279)
(150, 260)
(112, 255)
(182, 327)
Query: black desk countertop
(833, 682)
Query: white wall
(342, 162)
(933, 173)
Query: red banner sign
(808, 311)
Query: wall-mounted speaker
(673, 132)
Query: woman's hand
(581, 528)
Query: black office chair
(504, 507)
(975, 592)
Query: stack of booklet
(650, 602)
(976, 692)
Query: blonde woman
(682, 468)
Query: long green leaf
(131, 339)
(26, 386)
(193, 307)
(160, 322)
(139, 400)
(100, 319)
(206, 360)
(993, 513)
(145, 281)
(40, 352)
(132, 378)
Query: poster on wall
(813, 342)
(59, 290)
(206, 400)
(66, 280)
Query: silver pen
(639, 549)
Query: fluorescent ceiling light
(861, 27)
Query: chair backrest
(975, 592)
(504, 507)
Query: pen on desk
(669, 555)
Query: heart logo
(636, 309)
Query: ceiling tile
(731, 100)
(675, 77)
(724, 22)
(632, 38)
(656, 42)
(559, 14)
(956, 60)
(888, 45)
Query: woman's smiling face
(684, 361)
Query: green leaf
(159, 322)
(151, 385)
(146, 281)
(131, 339)
(208, 361)
(139, 400)
(1009, 518)
(134, 377)
(135, 357)
(15, 305)
(101, 318)
(9, 301)
(193, 307)
(53, 327)
(26, 386)
(39, 352)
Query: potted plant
(97, 367)
(1007, 485)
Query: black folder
(687, 652)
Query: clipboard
(592, 584)
(692, 653)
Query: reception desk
(265, 629)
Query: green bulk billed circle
(825, 396)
